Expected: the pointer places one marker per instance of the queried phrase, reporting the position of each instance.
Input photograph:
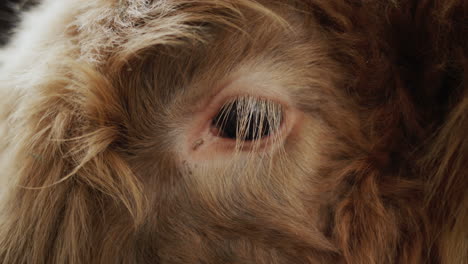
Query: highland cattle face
(217, 131)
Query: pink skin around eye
(201, 139)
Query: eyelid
(199, 143)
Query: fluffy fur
(95, 93)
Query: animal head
(217, 131)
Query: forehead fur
(127, 27)
(168, 43)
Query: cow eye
(248, 119)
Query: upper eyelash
(269, 110)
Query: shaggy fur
(97, 97)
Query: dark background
(9, 16)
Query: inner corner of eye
(248, 119)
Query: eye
(248, 119)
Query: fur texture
(97, 96)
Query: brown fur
(376, 173)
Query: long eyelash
(259, 113)
(221, 122)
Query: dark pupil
(235, 123)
